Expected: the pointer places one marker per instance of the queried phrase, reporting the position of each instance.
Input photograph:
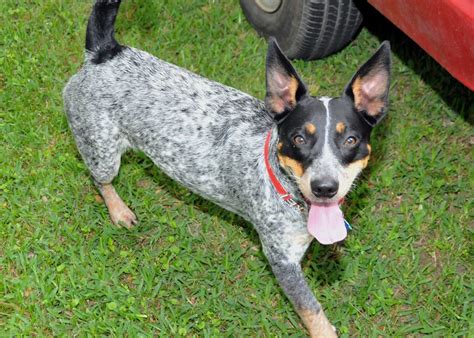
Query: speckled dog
(283, 164)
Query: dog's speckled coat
(204, 135)
(207, 136)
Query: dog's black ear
(368, 88)
(284, 86)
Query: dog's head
(323, 143)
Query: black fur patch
(342, 111)
(311, 110)
(100, 38)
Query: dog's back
(194, 129)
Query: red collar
(284, 194)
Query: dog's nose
(325, 187)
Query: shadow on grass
(458, 97)
(323, 263)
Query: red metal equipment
(443, 28)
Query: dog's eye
(299, 140)
(350, 141)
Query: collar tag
(348, 226)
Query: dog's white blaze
(328, 162)
(325, 100)
(329, 165)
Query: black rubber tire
(307, 29)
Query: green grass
(191, 268)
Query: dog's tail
(101, 45)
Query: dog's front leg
(291, 279)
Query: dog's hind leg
(290, 277)
(104, 170)
(101, 146)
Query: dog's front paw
(123, 217)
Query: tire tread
(326, 27)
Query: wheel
(305, 29)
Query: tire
(306, 29)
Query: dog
(284, 164)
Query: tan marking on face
(340, 127)
(360, 163)
(291, 164)
(310, 128)
(369, 148)
(279, 146)
(317, 323)
(304, 184)
(363, 101)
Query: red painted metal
(443, 28)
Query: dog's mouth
(326, 222)
(311, 199)
(325, 218)
(323, 201)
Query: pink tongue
(326, 223)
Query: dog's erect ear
(369, 87)
(284, 87)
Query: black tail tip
(107, 2)
(100, 38)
